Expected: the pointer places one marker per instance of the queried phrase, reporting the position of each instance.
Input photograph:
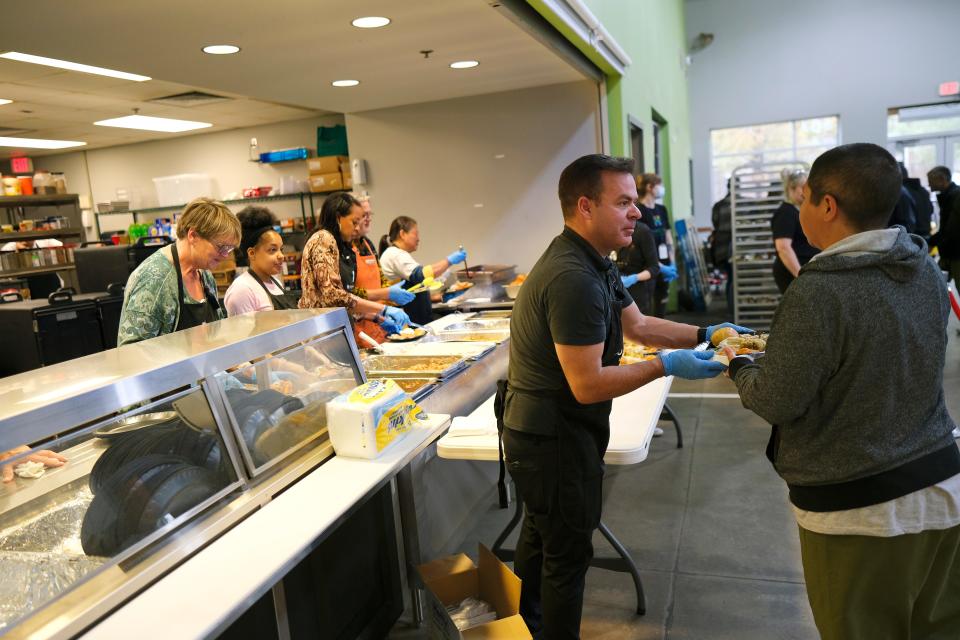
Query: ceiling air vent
(190, 99)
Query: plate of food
(407, 334)
(745, 344)
(634, 352)
(459, 286)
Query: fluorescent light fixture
(5, 101)
(345, 83)
(464, 64)
(221, 49)
(371, 22)
(151, 123)
(37, 143)
(72, 66)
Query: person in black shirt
(947, 237)
(640, 267)
(923, 208)
(654, 215)
(793, 250)
(721, 240)
(566, 340)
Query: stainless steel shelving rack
(756, 192)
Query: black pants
(782, 275)
(552, 558)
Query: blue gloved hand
(457, 256)
(730, 325)
(691, 365)
(669, 272)
(399, 295)
(630, 280)
(394, 320)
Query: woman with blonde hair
(173, 289)
(793, 250)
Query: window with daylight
(788, 141)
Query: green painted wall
(652, 33)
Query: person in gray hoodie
(852, 382)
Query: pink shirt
(245, 295)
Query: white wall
(775, 60)
(438, 161)
(223, 155)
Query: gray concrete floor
(709, 527)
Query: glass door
(919, 156)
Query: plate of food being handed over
(745, 344)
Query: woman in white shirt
(261, 247)
(397, 264)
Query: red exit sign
(950, 88)
(21, 165)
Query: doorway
(636, 145)
(922, 154)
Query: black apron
(194, 315)
(282, 301)
(582, 431)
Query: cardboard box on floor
(449, 580)
(326, 164)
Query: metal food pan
(488, 273)
(489, 335)
(416, 387)
(404, 366)
(479, 324)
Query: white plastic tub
(182, 188)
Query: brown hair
(209, 218)
(584, 178)
(645, 181)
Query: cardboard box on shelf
(345, 167)
(324, 182)
(347, 181)
(450, 580)
(326, 164)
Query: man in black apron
(566, 341)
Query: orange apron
(368, 277)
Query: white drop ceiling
(291, 51)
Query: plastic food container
(182, 188)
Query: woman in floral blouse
(329, 269)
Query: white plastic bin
(181, 189)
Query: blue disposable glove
(735, 327)
(457, 256)
(691, 365)
(629, 281)
(394, 320)
(669, 272)
(400, 295)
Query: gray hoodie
(853, 373)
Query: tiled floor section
(710, 528)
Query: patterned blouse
(150, 307)
(320, 274)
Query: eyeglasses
(223, 250)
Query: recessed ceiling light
(151, 123)
(5, 101)
(345, 83)
(37, 143)
(464, 64)
(371, 22)
(221, 49)
(72, 66)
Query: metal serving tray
(405, 366)
(488, 273)
(416, 387)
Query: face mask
(659, 191)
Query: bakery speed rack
(756, 191)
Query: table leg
(507, 554)
(624, 564)
(411, 538)
(668, 414)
